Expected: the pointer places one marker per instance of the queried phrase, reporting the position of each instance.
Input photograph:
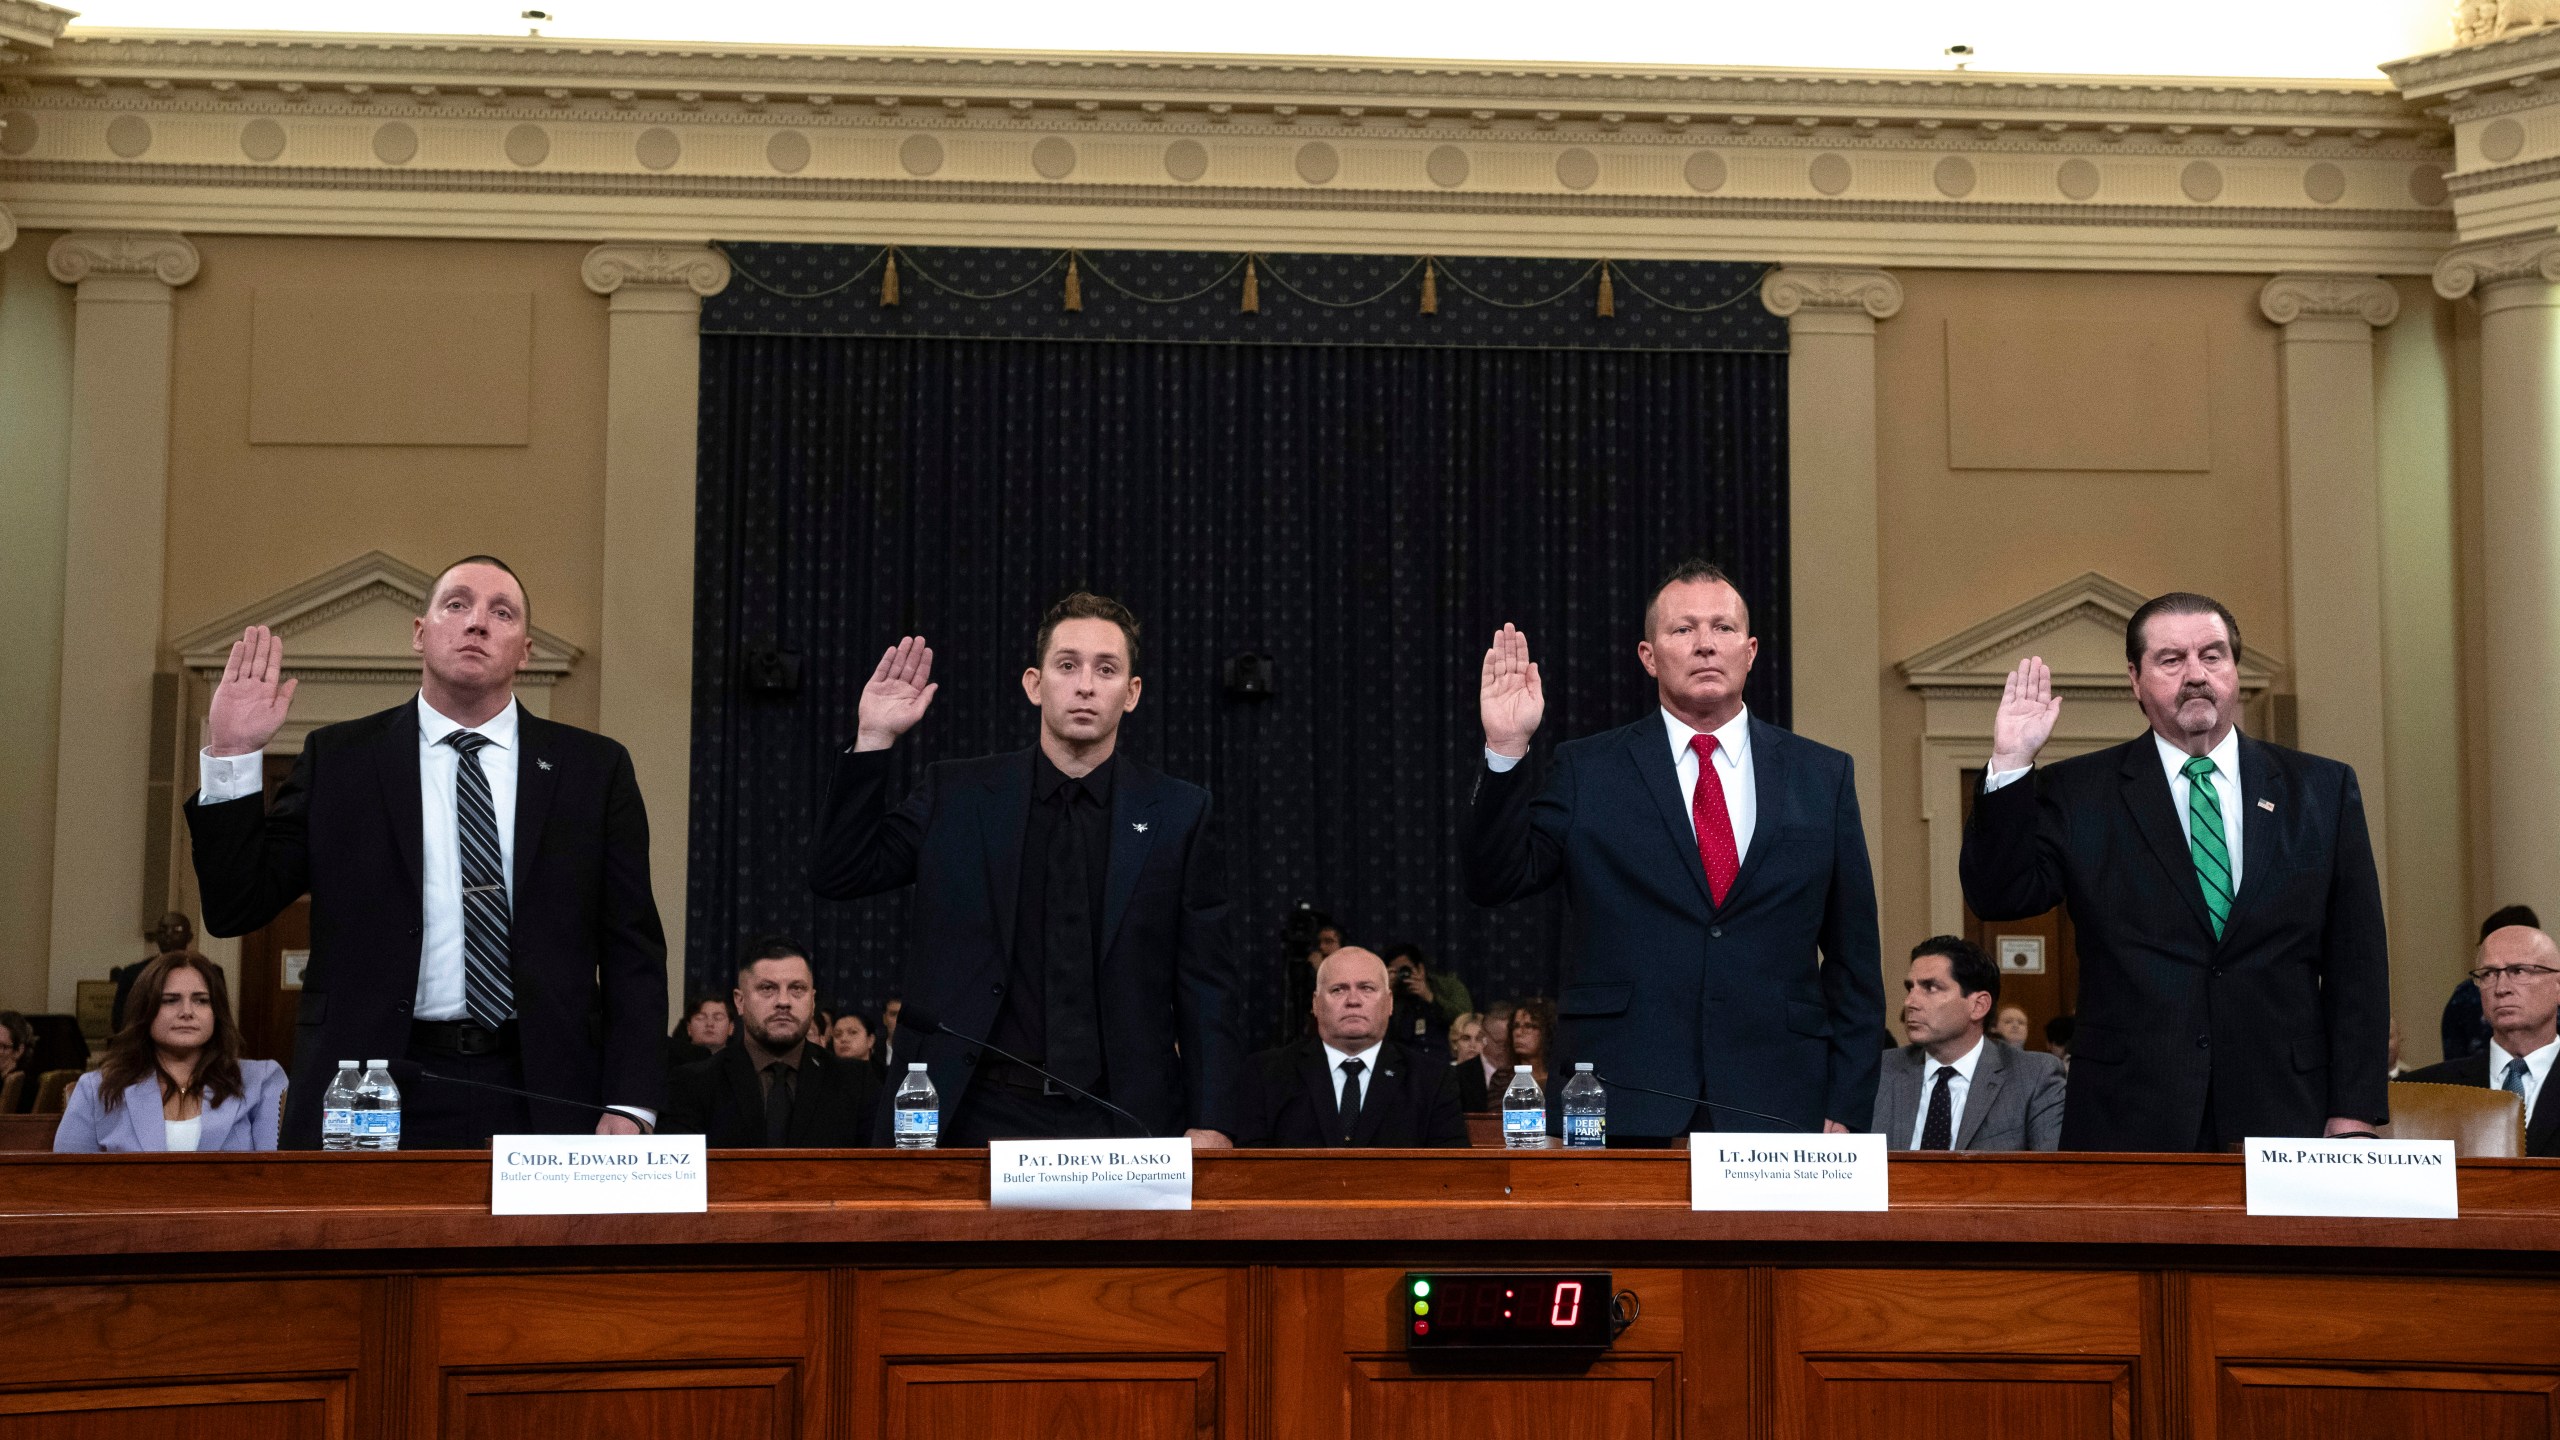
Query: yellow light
(1421, 1307)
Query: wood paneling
(259, 1410)
(519, 1320)
(171, 1330)
(1618, 1398)
(2265, 1402)
(1963, 1399)
(1035, 1312)
(744, 1403)
(1937, 1312)
(1080, 1399)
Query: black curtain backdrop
(1366, 514)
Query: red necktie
(1716, 849)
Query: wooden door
(267, 1008)
(2053, 991)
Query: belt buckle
(1051, 1089)
(472, 1040)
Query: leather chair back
(2479, 1122)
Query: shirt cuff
(220, 778)
(1500, 764)
(638, 1110)
(1997, 778)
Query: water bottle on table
(377, 1108)
(1524, 1112)
(337, 1109)
(1586, 1110)
(919, 1110)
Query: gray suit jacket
(2013, 1103)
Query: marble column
(1835, 648)
(2333, 531)
(2516, 284)
(653, 378)
(114, 546)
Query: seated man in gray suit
(1954, 1087)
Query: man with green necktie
(2228, 920)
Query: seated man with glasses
(2519, 980)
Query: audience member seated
(2519, 980)
(1446, 990)
(1347, 1084)
(852, 1040)
(1476, 1088)
(1418, 1022)
(2057, 1038)
(1955, 1087)
(773, 1087)
(1533, 1030)
(2014, 1026)
(173, 1078)
(889, 1033)
(17, 1072)
(2464, 1031)
(703, 1030)
(1466, 1038)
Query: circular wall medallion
(2202, 180)
(787, 151)
(395, 143)
(2426, 185)
(18, 132)
(1577, 169)
(1186, 160)
(657, 147)
(1954, 177)
(2502, 140)
(1705, 171)
(2324, 183)
(2077, 179)
(1318, 162)
(1830, 174)
(920, 154)
(528, 145)
(1448, 167)
(262, 139)
(128, 135)
(1054, 158)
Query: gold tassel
(1608, 294)
(1252, 288)
(889, 278)
(1430, 288)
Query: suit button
(402, 1007)
(1715, 932)
(997, 988)
(2204, 1042)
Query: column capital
(2369, 298)
(1794, 289)
(2466, 268)
(123, 254)
(698, 268)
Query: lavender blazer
(247, 1122)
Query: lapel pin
(1138, 825)
(545, 764)
(2267, 805)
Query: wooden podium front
(862, 1296)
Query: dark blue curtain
(1366, 515)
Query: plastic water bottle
(919, 1110)
(1586, 1110)
(337, 1109)
(1524, 1112)
(377, 1108)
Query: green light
(1421, 1307)
(1421, 1287)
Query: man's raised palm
(250, 703)
(897, 695)
(1510, 697)
(2024, 721)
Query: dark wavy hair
(1542, 1013)
(131, 1054)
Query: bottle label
(918, 1122)
(1586, 1130)
(337, 1120)
(377, 1124)
(1524, 1122)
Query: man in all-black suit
(1068, 900)
(1346, 1084)
(2228, 919)
(1709, 858)
(773, 1086)
(2519, 980)
(479, 883)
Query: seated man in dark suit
(1347, 1085)
(771, 1086)
(1476, 1088)
(1955, 1087)
(2519, 980)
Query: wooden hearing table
(859, 1295)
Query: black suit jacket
(2283, 1022)
(722, 1098)
(1171, 1038)
(1669, 989)
(1292, 1099)
(1475, 1097)
(2542, 1127)
(588, 958)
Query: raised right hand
(1509, 697)
(250, 704)
(2024, 721)
(898, 694)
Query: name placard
(597, 1175)
(1783, 1171)
(2391, 1179)
(1089, 1174)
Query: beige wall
(35, 438)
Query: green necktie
(2204, 837)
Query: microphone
(928, 1023)
(634, 1116)
(1700, 1100)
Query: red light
(1421, 1327)
(1568, 1306)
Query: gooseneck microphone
(635, 1117)
(926, 1022)
(1701, 1100)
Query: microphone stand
(933, 1026)
(1791, 1125)
(646, 1125)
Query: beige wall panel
(390, 367)
(2136, 389)
(35, 444)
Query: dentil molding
(2368, 298)
(2472, 268)
(126, 254)
(1798, 288)
(610, 267)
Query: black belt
(462, 1037)
(1025, 1079)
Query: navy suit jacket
(1670, 990)
(1172, 1037)
(2281, 1023)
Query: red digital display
(1464, 1310)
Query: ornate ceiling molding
(2288, 298)
(123, 254)
(29, 25)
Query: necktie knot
(1705, 745)
(468, 742)
(1352, 1067)
(2516, 1071)
(1946, 1073)
(2197, 767)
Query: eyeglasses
(2510, 975)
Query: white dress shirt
(1957, 1089)
(183, 1135)
(1733, 772)
(2226, 788)
(1368, 1066)
(2537, 1066)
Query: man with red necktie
(1719, 879)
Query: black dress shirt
(1022, 1025)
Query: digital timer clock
(1458, 1311)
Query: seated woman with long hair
(173, 1078)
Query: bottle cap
(346, 1064)
(914, 1065)
(1520, 1070)
(377, 1064)
(1583, 1065)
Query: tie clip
(482, 889)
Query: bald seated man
(1348, 1084)
(2518, 971)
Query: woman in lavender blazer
(173, 1078)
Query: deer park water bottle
(377, 1108)
(919, 1110)
(1586, 1110)
(337, 1109)
(1524, 1112)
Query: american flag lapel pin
(2267, 805)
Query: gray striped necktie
(488, 987)
(2514, 1083)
